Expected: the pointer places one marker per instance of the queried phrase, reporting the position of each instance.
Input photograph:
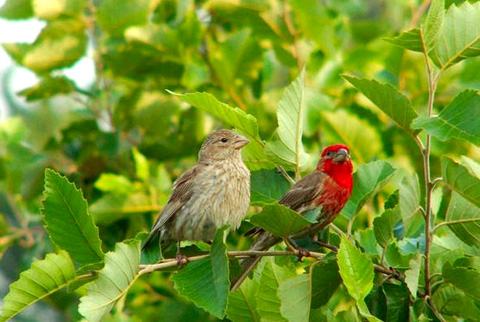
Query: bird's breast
(221, 197)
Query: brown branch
(173, 262)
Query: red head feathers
(335, 161)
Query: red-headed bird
(213, 193)
(328, 188)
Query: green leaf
(466, 279)
(114, 280)
(267, 186)
(280, 220)
(383, 226)
(356, 270)
(254, 154)
(16, 9)
(296, 295)
(459, 179)
(397, 258)
(387, 98)
(112, 206)
(53, 9)
(43, 278)
(410, 40)
(48, 87)
(451, 301)
(111, 182)
(60, 44)
(268, 300)
(367, 179)
(361, 137)
(397, 302)
(288, 148)
(325, 281)
(412, 275)
(206, 282)
(242, 303)
(17, 51)
(409, 203)
(142, 170)
(363, 310)
(68, 222)
(458, 120)
(459, 36)
(461, 209)
(114, 17)
(433, 23)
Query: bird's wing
(182, 192)
(304, 191)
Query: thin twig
(173, 262)
(432, 86)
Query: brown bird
(213, 193)
(327, 188)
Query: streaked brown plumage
(327, 188)
(213, 193)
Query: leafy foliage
(68, 222)
(125, 93)
(206, 282)
(113, 281)
(43, 278)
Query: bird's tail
(265, 241)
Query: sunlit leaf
(459, 36)
(280, 220)
(296, 295)
(113, 282)
(433, 23)
(269, 298)
(68, 222)
(367, 179)
(288, 147)
(43, 278)
(461, 209)
(454, 302)
(242, 303)
(60, 44)
(467, 280)
(459, 179)
(114, 17)
(383, 226)
(356, 270)
(206, 282)
(393, 103)
(458, 120)
(254, 154)
(412, 275)
(16, 9)
(48, 87)
(410, 40)
(52, 9)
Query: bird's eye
(330, 153)
(224, 140)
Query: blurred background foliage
(123, 138)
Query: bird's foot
(301, 253)
(182, 260)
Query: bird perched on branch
(327, 188)
(213, 193)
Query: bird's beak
(341, 155)
(240, 142)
